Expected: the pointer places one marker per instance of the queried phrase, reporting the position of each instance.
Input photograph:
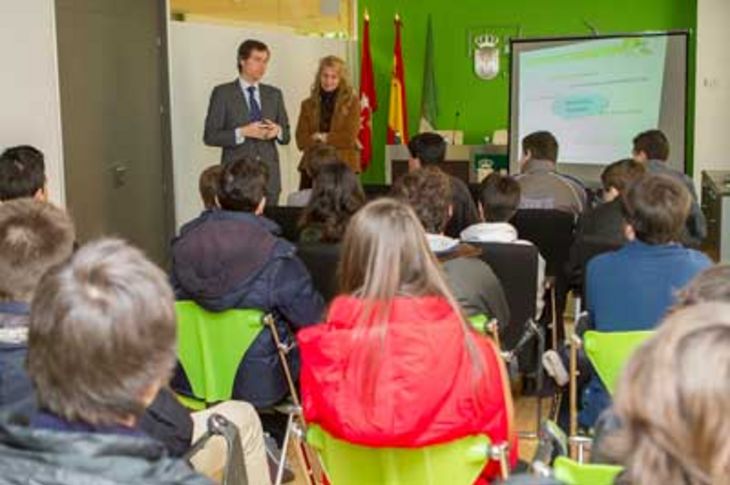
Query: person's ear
(414, 163)
(640, 156)
(610, 194)
(629, 232)
(41, 194)
(260, 208)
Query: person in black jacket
(430, 149)
(231, 258)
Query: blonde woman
(330, 115)
(673, 403)
(395, 364)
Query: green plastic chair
(210, 347)
(609, 352)
(456, 463)
(570, 472)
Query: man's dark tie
(253, 105)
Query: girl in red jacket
(395, 364)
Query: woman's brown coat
(343, 130)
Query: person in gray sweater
(474, 284)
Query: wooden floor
(525, 412)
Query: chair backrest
(570, 472)
(609, 352)
(551, 231)
(458, 462)
(515, 265)
(321, 260)
(287, 218)
(210, 347)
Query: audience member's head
(540, 145)
(426, 149)
(251, 53)
(385, 254)
(34, 237)
(243, 186)
(673, 400)
(318, 156)
(208, 185)
(428, 191)
(651, 145)
(101, 340)
(336, 196)
(711, 285)
(618, 176)
(499, 197)
(22, 173)
(655, 209)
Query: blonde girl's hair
(385, 255)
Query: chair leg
(306, 457)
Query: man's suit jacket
(228, 110)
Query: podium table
(460, 161)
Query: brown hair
(653, 143)
(500, 196)
(385, 255)
(345, 92)
(428, 191)
(621, 174)
(336, 196)
(542, 145)
(242, 185)
(101, 335)
(34, 236)
(712, 284)
(208, 185)
(316, 157)
(674, 413)
(248, 46)
(657, 206)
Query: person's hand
(272, 129)
(320, 137)
(255, 129)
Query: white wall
(204, 55)
(30, 106)
(712, 106)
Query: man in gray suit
(248, 118)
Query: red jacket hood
(427, 389)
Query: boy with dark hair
(474, 284)
(427, 149)
(651, 148)
(101, 344)
(231, 258)
(499, 197)
(22, 173)
(542, 186)
(606, 222)
(632, 288)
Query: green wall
(484, 105)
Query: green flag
(429, 103)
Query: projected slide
(594, 96)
